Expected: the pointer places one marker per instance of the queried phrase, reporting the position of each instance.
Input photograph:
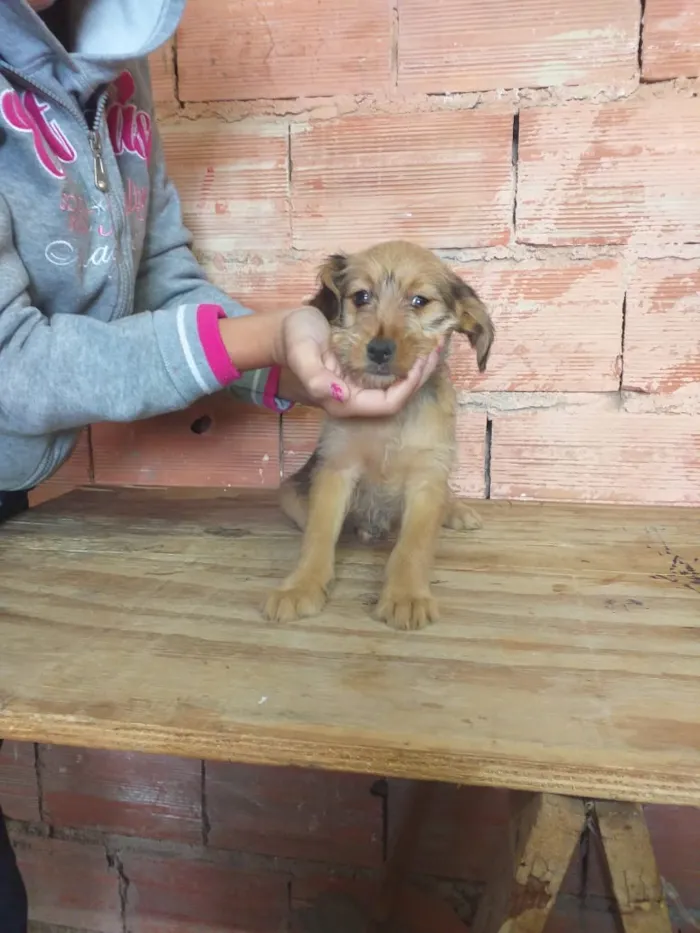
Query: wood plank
(632, 868)
(566, 660)
(542, 834)
(401, 854)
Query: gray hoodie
(105, 315)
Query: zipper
(75, 111)
(99, 170)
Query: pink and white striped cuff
(208, 317)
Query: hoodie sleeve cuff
(259, 386)
(271, 397)
(208, 317)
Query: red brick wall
(550, 149)
(111, 842)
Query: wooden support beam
(632, 868)
(543, 832)
(401, 855)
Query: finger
(430, 366)
(318, 372)
(377, 403)
(397, 395)
(330, 361)
(325, 385)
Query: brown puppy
(387, 306)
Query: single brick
(558, 326)
(443, 178)
(162, 66)
(613, 173)
(674, 833)
(217, 442)
(662, 352)
(263, 283)
(232, 182)
(671, 39)
(322, 902)
(70, 885)
(77, 471)
(144, 795)
(463, 830)
(283, 49)
(456, 46)
(596, 456)
(19, 793)
(570, 916)
(183, 895)
(295, 813)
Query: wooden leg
(543, 832)
(401, 856)
(632, 868)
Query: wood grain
(566, 661)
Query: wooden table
(567, 661)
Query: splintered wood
(566, 659)
(632, 868)
(543, 833)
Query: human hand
(304, 349)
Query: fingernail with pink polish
(337, 392)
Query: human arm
(71, 369)
(169, 275)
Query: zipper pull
(98, 161)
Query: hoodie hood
(107, 33)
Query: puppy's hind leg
(294, 503)
(460, 517)
(294, 492)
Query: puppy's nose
(380, 350)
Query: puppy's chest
(387, 454)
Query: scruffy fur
(387, 306)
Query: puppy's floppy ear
(328, 298)
(472, 319)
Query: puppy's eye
(361, 298)
(418, 301)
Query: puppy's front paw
(460, 517)
(295, 602)
(401, 609)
